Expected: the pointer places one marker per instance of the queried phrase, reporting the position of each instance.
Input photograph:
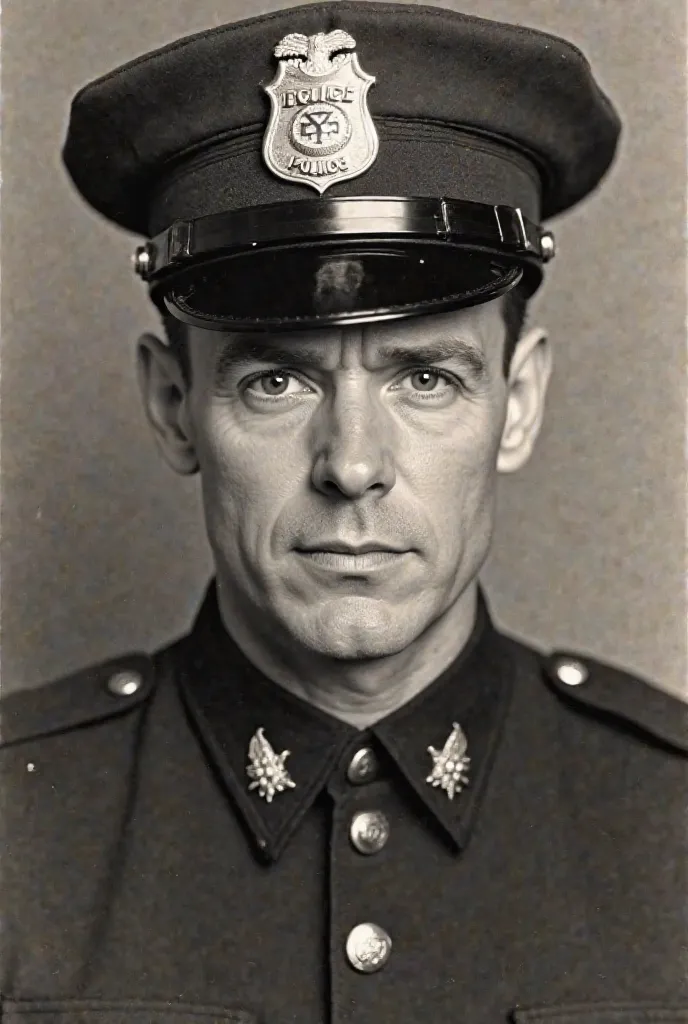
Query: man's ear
(529, 373)
(165, 395)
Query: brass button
(369, 831)
(363, 767)
(368, 947)
(124, 684)
(571, 672)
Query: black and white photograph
(343, 663)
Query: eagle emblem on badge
(320, 129)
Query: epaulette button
(125, 684)
(571, 672)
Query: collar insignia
(320, 129)
(450, 765)
(266, 768)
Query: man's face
(348, 474)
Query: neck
(359, 692)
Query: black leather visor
(319, 262)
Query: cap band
(414, 159)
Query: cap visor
(314, 285)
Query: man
(344, 796)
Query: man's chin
(356, 628)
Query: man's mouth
(361, 557)
(352, 548)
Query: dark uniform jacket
(145, 882)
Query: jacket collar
(229, 700)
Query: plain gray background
(103, 548)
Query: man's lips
(345, 548)
(359, 558)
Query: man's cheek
(243, 497)
(447, 475)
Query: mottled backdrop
(103, 548)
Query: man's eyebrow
(244, 349)
(438, 351)
(247, 349)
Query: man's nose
(353, 442)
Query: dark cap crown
(436, 71)
(435, 141)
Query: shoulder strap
(618, 695)
(100, 691)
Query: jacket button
(363, 767)
(571, 672)
(124, 684)
(369, 831)
(368, 947)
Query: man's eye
(424, 380)
(427, 381)
(276, 384)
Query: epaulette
(614, 694)
(95, 693)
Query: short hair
(514, 312)
(177, 336)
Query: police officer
(344, 796)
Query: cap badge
(266, 768)
(450, 764)
(320, 129)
